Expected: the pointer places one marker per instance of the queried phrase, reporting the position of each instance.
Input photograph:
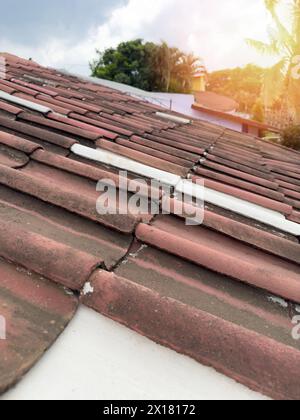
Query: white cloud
(213, 29)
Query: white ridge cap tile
(23, 102)
(110, 158)
(173, 118)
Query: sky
(65, 33)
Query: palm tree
(185, 69)
(160, 65)
(164, 63)
(173, 68)
(284, 43)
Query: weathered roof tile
(166, 280)
(36, 313)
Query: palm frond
(295, 14)
(274, 82)
(264, 48)
(285, 37)
(271, 5)
(281, 42)
(292, 94)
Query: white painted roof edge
(228, 202)
(23, 102)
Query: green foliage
(291, 137)
(147, 66)
(284, 43)
(241, 84)
(258, 112)
(129, 63)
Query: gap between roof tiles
(133, 252)
(129, 253)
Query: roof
(215, 101)
(237, 274)
(235, 118)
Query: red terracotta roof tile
(10, 109)
(171, 150)
(267, 240)
(36, 313)
(152, 152)
(293, 203)
(93, 120)
(34, 87)
(83, 126)
(17, 143)
(63, 227)
(223, 255)
(295, 217)
(68, 108)
(259, 180)
(182, 146)
(71, 93)
(287, 179)
(15, 87)
(12, 158)
(45, 184)
(248, 167)
(288, 185)
(182, 306)
(291, 193)
(6, 89)
(250, 197)
(35, 132)
(60, 127)
(230, 180)
(177, 279)
(143, 158)
(38, 100)
(59, 263)
(75, 106)
(129, 123)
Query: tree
(280, 82)
(186, 67)
(258, 112)
(147, 66)
(241, 84)
(174, 69)
(291, 137)
(129, 63)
